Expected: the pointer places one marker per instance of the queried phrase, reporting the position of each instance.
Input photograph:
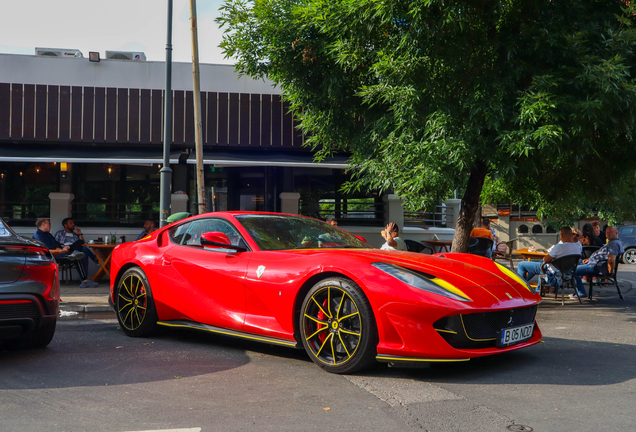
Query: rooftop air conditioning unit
(59, 52)
(125, 55)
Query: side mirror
(219, 240)
(360, 238)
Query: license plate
(515, 335)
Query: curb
(85, 308)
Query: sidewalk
(75, 299)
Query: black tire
(39, 339)
(134, 305)
(337, 326)
(629, 257)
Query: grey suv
(627, 236)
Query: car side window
(178, 233)
(212, 225)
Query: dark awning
(246, 158)
(98, 153)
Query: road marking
(171, 430)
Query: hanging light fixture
(63, 169)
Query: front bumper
(419, 327)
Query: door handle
(166, 262)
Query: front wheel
(337, 326)
(134, 304)
(629, 257)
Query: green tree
(531, 97)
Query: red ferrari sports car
(299, 282)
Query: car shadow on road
(556, 361)
(100, 354)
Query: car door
(210, 283)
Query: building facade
(84, 139)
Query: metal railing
(23, 214)
(351, 211)
(430, 219)
(114, 214)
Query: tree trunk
(470, 205)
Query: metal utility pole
(166, 171)
(198, 145)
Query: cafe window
(522, 229)
(115, 195)
(24, 191)
(537, 229)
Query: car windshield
(273, 232)
(4, 231)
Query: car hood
(477, 277)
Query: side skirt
(227, 332)
(398, 359)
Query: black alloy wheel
(134, 304)
(337, 326)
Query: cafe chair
(414, 246)
(588, 251)
(507, 255)
(566, 267)
(480, 246)
(601, 269)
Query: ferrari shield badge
(260, 270)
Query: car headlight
(417, 280)
(515, 276)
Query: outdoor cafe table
(438, 245)
(527, 255)
(103, 252)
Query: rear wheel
(337, 326)
(134, 304)
(629, 257)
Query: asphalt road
(93, 378)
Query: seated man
(528, 269)
(43, 234)
(486, 232)
(608, 252)
(392, 236)
(70, 235)
(332, 221)
(149, 226)
(483, 230)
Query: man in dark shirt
(149, 226)
(43, 234)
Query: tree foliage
(531, 98)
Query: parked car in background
(29, 291)
(627, 236)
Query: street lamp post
(166, 171)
